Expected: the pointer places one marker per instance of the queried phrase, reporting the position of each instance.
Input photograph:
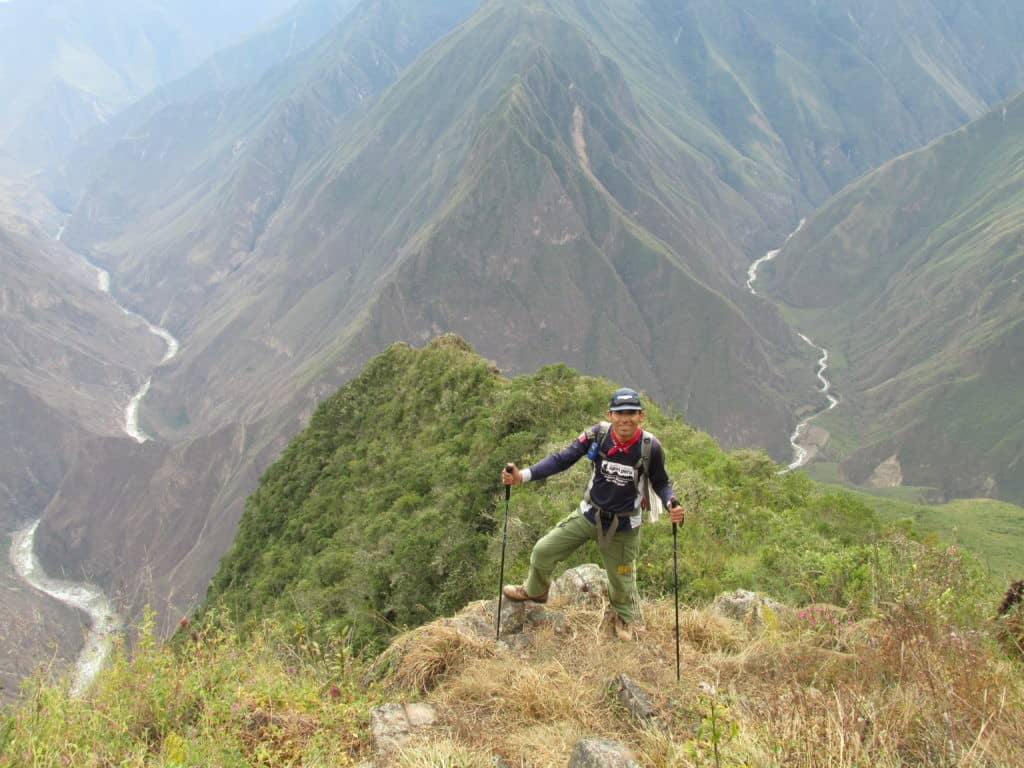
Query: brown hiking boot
(622, 630)
(517, 592)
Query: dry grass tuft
(521, 694)
(893, 691)
(427, 655)
(708, 631)
(440, 753)
(542, 745)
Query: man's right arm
(557, 462)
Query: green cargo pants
(619, 560)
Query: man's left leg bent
(620, 563)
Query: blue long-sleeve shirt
(613, 485)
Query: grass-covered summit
(387, 511)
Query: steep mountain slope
(69, 362)
(233, 68)
(68, 65)
(730, 123)
(468, 197)
(185, 195)
(184, 499)
(930, 245)
(798, 98)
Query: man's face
(625, 423)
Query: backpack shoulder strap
(645, 452)
(643, 470)
(598, 433)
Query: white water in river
(131, 414)
(752, 270)
(104, 621)
(801, 455)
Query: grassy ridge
(383, 513)
(818, 687)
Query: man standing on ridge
(611, 509)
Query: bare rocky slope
(69, 361)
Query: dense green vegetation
(993, 530)
(386, 511)
(211, 700)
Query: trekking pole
(675, 579)
(504, 537)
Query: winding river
(801, 455)
(104, 622)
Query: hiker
(615, 495)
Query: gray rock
(636, 701)
(585, 584)
(513, 616)
(602, 753)
(392, 724)
(747, 607)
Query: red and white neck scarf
(624, 447)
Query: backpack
(651, 505)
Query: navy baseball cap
(625, 399)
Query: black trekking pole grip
(504, 537)
(675, 579)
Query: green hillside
(929, 245)
(384, 513)
(993, 530)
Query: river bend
(104, 622)
(801, 455)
